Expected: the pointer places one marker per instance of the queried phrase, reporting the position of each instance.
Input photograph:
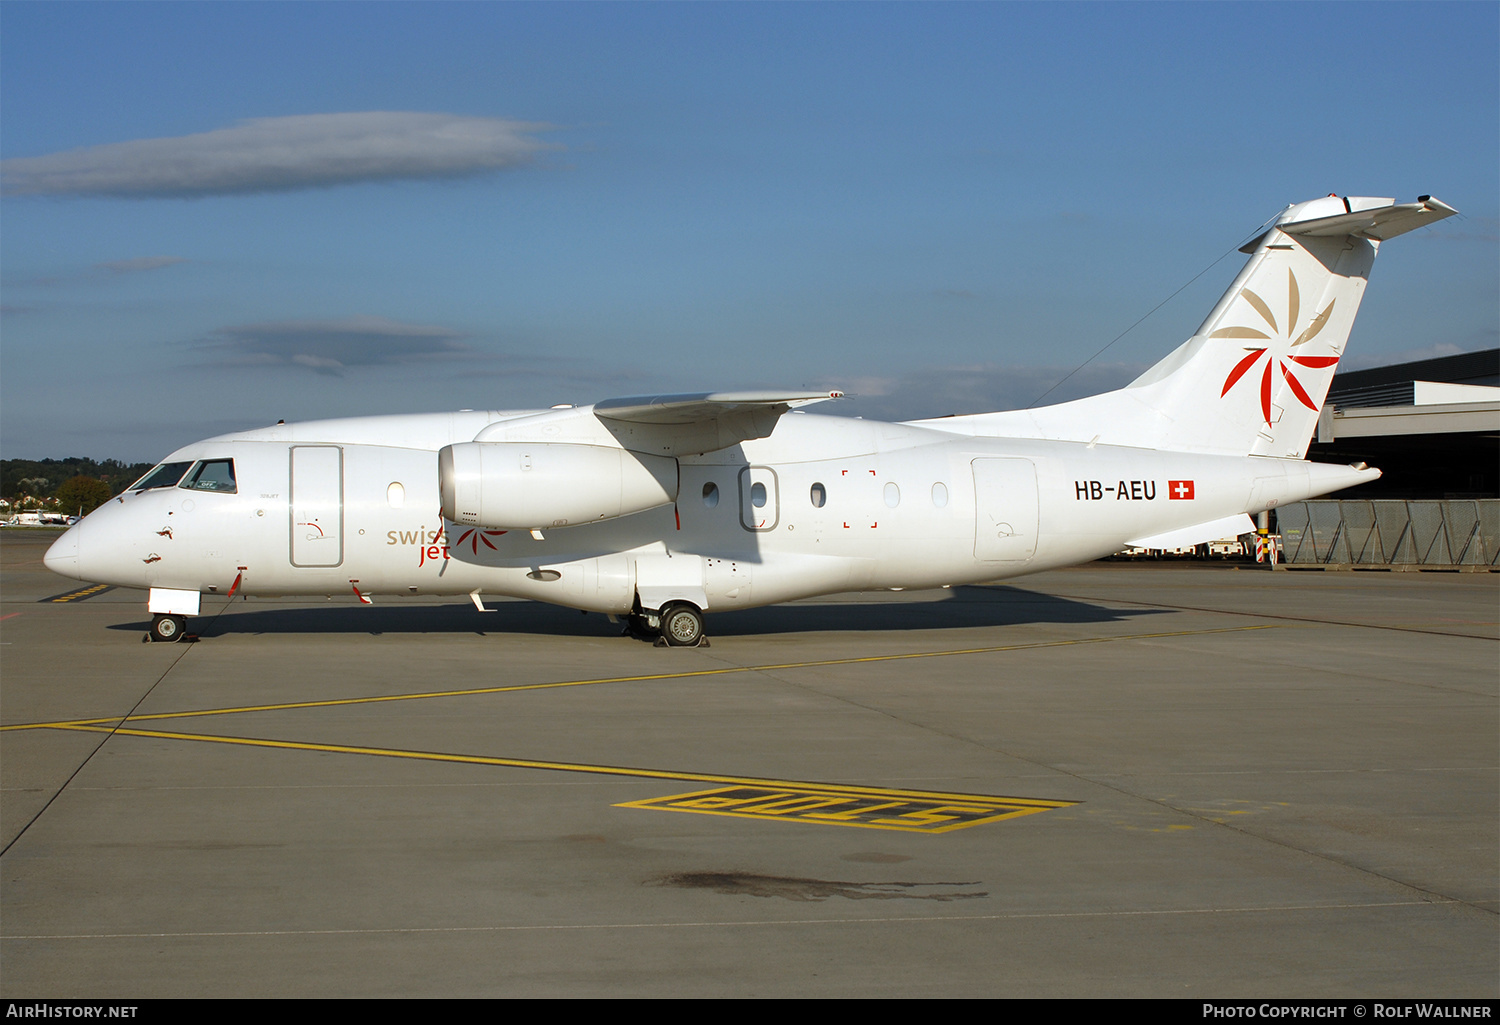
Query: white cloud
(331, 346)
(140, 263)
(275, 154)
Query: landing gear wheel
(637, 625)
(682, 625)
(168, 628)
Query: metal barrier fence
(1391, 533)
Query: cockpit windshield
(163, 476)
(212, 475)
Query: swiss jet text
(431, 544)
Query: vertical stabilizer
(1254, 375)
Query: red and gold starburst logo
(1285, 363)
(475, 536)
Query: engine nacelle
(513, 485)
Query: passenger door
(317, 505)
(1005, 510)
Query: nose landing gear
(168, 628)
(169, 608)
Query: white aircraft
(661, 509)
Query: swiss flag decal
(1179, 489)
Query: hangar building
(1433, 427)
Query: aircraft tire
(682, 625)
(168, 628)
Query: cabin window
(940, 494)
(710, 494)
(892, 494)
(164, 476)
(819, 496)
(212, 475)
(760, 502)
(395, 495)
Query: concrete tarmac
(1119, 780)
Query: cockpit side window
(212, 475)
(163, 476)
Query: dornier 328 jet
(661, 509)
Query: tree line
(76, 483)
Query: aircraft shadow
(961, 608)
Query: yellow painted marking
(721, 671)
(851, 806)
(769, 790)
(87, 592)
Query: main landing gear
(682, 625)
(678, 625)
(168, 628)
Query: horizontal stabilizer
(678, 425)
(1378, 224)
(1182, 537)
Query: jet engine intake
(526, 486)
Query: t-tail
(1253, 377)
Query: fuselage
(663, 507)
(820, 505)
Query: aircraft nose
(62, 557)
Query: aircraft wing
(677, 425)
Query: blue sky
(220, 215)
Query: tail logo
(1284, 363)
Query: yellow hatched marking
(87, 592)
(687, 674)
(768, 789)
(851, 806)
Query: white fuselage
(666, 506)
(342, 506)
